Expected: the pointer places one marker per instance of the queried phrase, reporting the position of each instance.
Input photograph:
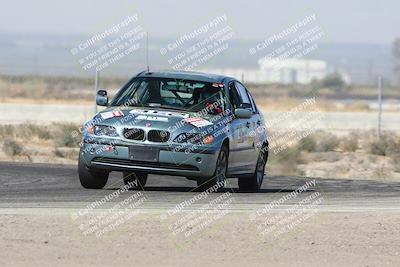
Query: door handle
(248, 124)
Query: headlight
(208, 139)
(194, 138)
(104, 130)
(88, 129)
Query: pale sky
(351, 21)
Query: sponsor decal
(152, 118)
(158, 112)
(197, 122)
(111, 114)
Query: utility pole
(378, 132)
(96, 88)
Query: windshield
(170, 93)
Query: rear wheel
(136, 180)
(91, 179)
(218, 179)
(253, 183)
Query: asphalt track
(35, 188)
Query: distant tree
(333, 81)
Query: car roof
(186, 75)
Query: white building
(290, 71)
(286, 71)
(249, 75)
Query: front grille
(172, 166)
(158, 136)
(134, 134)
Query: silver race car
(201, 126)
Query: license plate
(143, 153)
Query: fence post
(96, 88)
(378, 132)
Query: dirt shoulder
(326, 239)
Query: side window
(234, 97)
(253, 104)
(243, 93)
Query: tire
(253, 183)
(219, 174)
(139, 179)
(91, 179)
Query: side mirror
(102, 98)
(243, 113)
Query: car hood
(156, 118)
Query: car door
(252, 150)
(257, 119)
(241, 148)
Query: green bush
(288, 159)
(7, 131)
(328, 142)
(396, 162)
(350, 143)
(58, 153)
(25, 131)
(29, 130)
(291, 154)
(11, 148)
(67, 135)
(387, 145)
(333, 81)
(307, 143)
(68, 153)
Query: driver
(208, 97)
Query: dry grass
(60, 133)
(30, 142)
(388, 145)
(11, 148)
(327, 142)
(308, 144)
(356, 155)
(38, 89)
(320, 154)
(284, 103)
(66, 135)
(302, 91)
(396, 162)
(67, 153)
(271, 97)
(350, 143)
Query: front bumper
(198, 162)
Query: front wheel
(218, 179)
(135, 180)
(91, 179)
(253, 183)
